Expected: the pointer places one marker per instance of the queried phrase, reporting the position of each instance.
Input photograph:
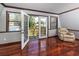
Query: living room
(34, 30)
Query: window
(53, 22)
(14, 21)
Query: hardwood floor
(43, 47)
(10, 49)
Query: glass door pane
(24, 29)
(43, 26)
(33, 27)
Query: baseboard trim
(77, 39)
(53, 36)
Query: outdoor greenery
(32, 26)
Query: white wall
(2, 19)
(70, 20)
(9, 37)
(15, 36)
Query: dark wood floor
(43, 47)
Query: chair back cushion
(63, 30)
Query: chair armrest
(61, 33)
(72, 33)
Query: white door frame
(40, 28)
(22, 30)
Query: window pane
(52, 22)
(14, 26)
(53, 19)
(14, 17)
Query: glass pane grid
(14, 26)
(52, 23)
(14, 21)
(14, 17)
(43, 26)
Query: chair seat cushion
(66, 35)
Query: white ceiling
(49, 7)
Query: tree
(32, 25)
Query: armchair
(65, 35)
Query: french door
(28, 23)
(24, 29)
(42, 27)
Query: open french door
(41, 28)
(24, 29)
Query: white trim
(40, 28)
(22, 30)
(49, 22)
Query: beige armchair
(65, 35)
